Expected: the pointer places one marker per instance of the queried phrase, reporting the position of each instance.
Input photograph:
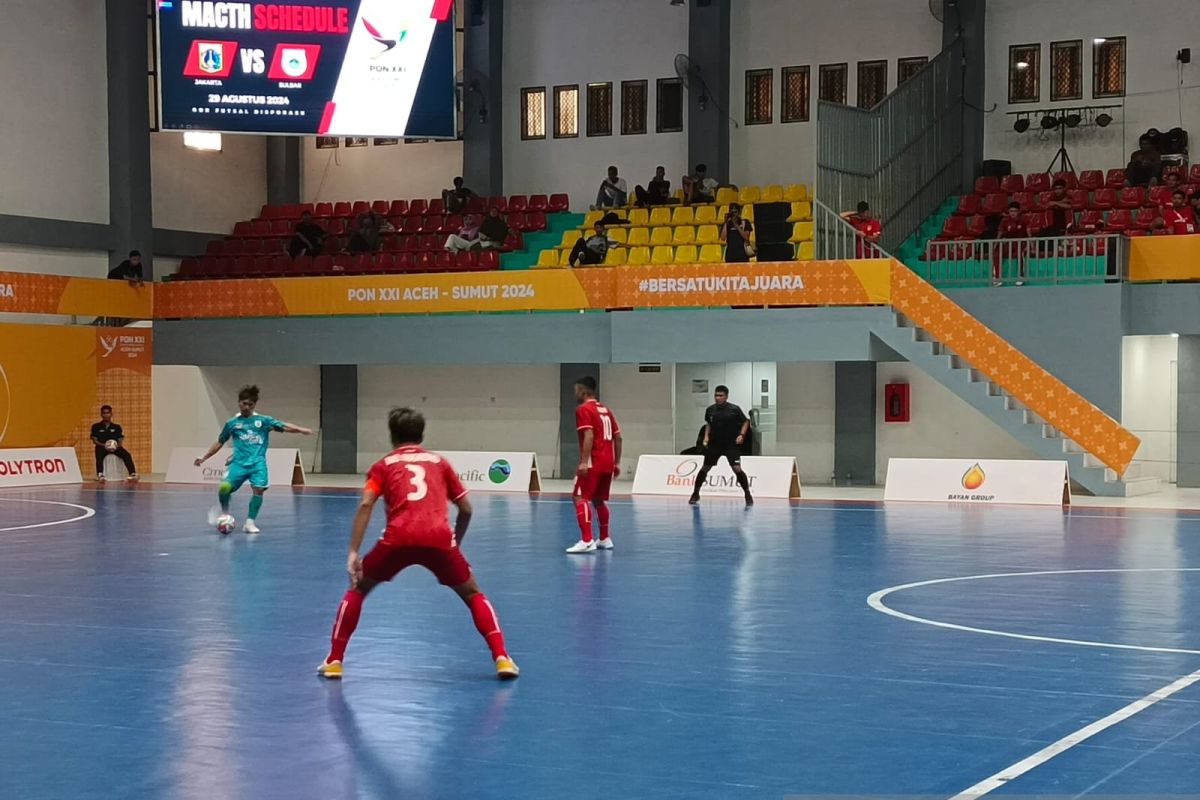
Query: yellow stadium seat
(748, 212)
(660, 236)
(683, 215)
(711, 254)
(707, 234)
(801, 232)
(591, 218)
(639, 236)
(616, 257)
(662, 255)
(686, 254)
(749, 194)
(804, 251)
(796, 193)
(772, 194)
(726, 195)
(684, 234)
(706, 215)
(548, 258)
(565, 260)
(569, 238)
(660, 215)
(638, 256)
(639, 216)
(618, 233)
(801, 211)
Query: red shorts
(593, 487)
(385, 561)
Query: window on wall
(670, 105)
(833, 82)
(1108, 67)
(566, 111)
(795, 94)
(872, 83)
(633, 107)
(760, 97)
(907, 67)
(533, 113)
(152, 63)
(1066, 70)
(1024, 73)
(599, 109)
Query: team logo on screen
(211, 57)
(294, 61)
(388, 44)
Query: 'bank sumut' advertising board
(308, 67)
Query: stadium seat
(987, 184)
(686, 254)
(616, 257)
(564, 259)
(1194, 174)
(976, 226)
(405, 262)
(706, 215)
(661, 236)
(1037, 182)
(418, 208)
(489, 259)
(591, 218)
(549, 258)
(683, 215)
(1132, 197)
(803, 231)
(188, 268)
(1024, 199)
(1092, 179)
(215, 247)
(1012, 183)
(302, 265)
(801, 211)
(1115, 179)
(443, 261)
(639, 216)
(748, 213)
(569, 238)
(1145, 218)
(323, 210)
(335, 227)
(465, 260)
(683, 234)
(515, 241)
(536, 221)
(1068, 178)
(252, 247)
(638, 256)
(805, 251)
(360, 207)
(660, 216)
(796, 193)
(262, 265)
(708, 234)
(639, 237)
(1160, 196)
(711, 254)
(342, 209)
(398, 208)
(538, 202)
(452, 223)
(662, 255)
(1036, 221)
(749, 195)
(412, 225)
(273, 246)
(431, 224)
(323, 264)
(244, 228)
(476, 205)
(1119, 220)
(269, 212)
(618, 233)
(423, 262)
(726, 195)
(994, 203)
(393, 244)
(380, 207)
(953, 228)
(558, 203)
(347, 263)
(772, 194)
(1090, 220)
(1104, 199)
(281, 227)
(968, 205)
(436, 207)
(518, 202)
(1078, 198)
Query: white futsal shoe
(582, 547)
(250, 527)
(604, 544)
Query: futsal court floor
(812, 649)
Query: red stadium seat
(1037, 182)
(1144, 219)
(1175, 170)
(514, 241)
(260, 227)
(976, 226)
(1090, 220)
(281, 265)
(281, 227)
(302, 207)
(423, 261)
(243, 265)
(538, 202)
(188, 268)
(465, 260)
(215, 247)
(1104, 199)
(518, 202)
(267, 212)
(344, 263)
(243, 228)
(380, 262)
(1091, 179)
(968, 205)
(476, 205)
(517, 221)
(452, 223)
(1194, 174)
(1012, 183)
(252, 247)
(431, 224)
(412, 225)
(360, 207)
(1160, 196)
(224, 267)
(302, 265)
(323, 264)
(262, 265)
(443, 261)
(274, 245)
(953, 228)
(995, 203)
(437, 207)
(1024, 200)
(398, 208)
(1037, 221)
(1078, 198)
(418, 208)
(407, 243)
(987, 184)
(1115, 179)
(1132, 197)
(560, 202)
(381, 207)
(536, 221)
(342, 209)
(489, 259)
(1119, 220)
(1068, 178)
(323, 210)
(392, 244)
(429, 243)
(404, 262)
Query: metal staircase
(951, 370)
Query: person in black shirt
(308, 238)
(106, 431)
(456, 199)
(725, 430)
(657, 192)
(129, 270)
(735, 233)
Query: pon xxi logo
(388, 43)
(109, 345)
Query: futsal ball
(111, 445)
(499, 471)
(226, 523)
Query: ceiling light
(1103, 119)
(208, 141)
(1049, 122)
(1099, 40)
(1073, 119)
(1022, 65)
(1021, 125)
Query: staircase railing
(904, 156)
(835, 239)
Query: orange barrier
(1164, 258)
(32, 293)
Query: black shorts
(732, 454)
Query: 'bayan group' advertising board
(337, 67)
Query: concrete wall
(391, 172)
(1149, 396)
(204, 191)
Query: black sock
(700, 479)
(743, 482)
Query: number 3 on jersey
(416, 477)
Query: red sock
(487, 623)
(583, 513)
(345, 623)
(602, 517)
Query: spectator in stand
(456, 199)
(868, 230)
(614, 191)
(592, 251)
(467, 237)
(493, 231)
(1011, 227)
(308, 238)
(1144, 163)
(1061, 214)
(657, 192)
(365, 237)
(1195, 200)
(698, 187)
(380, 222)
(129, 270)
(1178, 218)
(1171, 181)
(735, 233)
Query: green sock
(255, 505)
(223, 496)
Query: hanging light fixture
(1021, 125)
(1072, 119)
(1049, 122)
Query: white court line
(1010, 773)
(87, 512)
(1023, 766)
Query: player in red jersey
(416, 485)
(1178, 217)
(599, 465)
(869, 231)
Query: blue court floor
(716, 653)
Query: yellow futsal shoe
(331, 670)
(506, 669)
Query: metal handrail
(1042, 259)
(835, 239)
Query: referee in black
(725, 429)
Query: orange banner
(1164, 258)
(30, 293)
(54, 378)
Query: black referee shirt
(103, 431)
(724, 424)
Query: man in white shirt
(613, 191)
(700, 188)
(592, 250)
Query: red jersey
(1179, 220)
(1013, 228)
(871, 229)
(599, 419)
(416, 485)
